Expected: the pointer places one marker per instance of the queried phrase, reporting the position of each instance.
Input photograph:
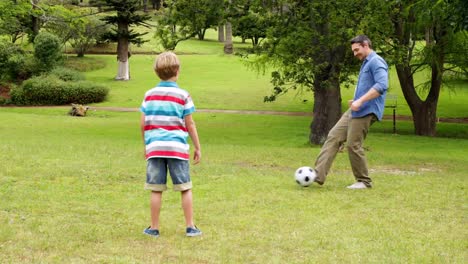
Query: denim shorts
(156, 174)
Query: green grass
(218, 81)
(223, 82)
(72, 191)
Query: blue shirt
(373, 74)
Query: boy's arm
(142, 127)
(192, 130)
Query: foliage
(198, 15)
(307, 46)
(50, 90)
(15, 64)
(67, 74)
(123, 13)
(183, 19)
(251, 26)
(80, 27)
(47, 51)
(421, 35)
(15, 18)
(250, 19)
(167, 33)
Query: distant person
(166, 122)
(366, 107)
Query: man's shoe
(151, 232)
(358, 185)
(193, 231)
(318, 182)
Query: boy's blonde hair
(166, 66)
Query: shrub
(47, 51)
(15, 64)
(67, 74)
(50, 90)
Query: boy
(166, 121)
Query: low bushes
(51, 90)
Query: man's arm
(380, 72)
(371, 94)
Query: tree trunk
(123, 73)
(424, 112)
(327, 108)
(228, 47)
(221, 33)
(34, 21)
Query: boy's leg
(335, 138)
(187, 206)
(155, 205)
(357, 133)
(179, 170)
(156, 174)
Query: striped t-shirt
(165, 107)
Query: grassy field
(217, 81)
(71, 189)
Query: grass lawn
(72, 191)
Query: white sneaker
(357, 186)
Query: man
(366, 107)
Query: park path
(463, 120)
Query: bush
(47, 51)
(50, 90)
(15, 64)
(67, 74)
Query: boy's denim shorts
(156, 174)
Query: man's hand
(355, 105)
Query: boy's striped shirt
(165, 107)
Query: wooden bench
(391, 102)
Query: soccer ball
(305, 176)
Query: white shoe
(357, 186)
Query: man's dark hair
(361, 39)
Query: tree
(86, 33)
(196, 16)
(308, 45)
(423, 35)
(15, 19)
(167, 31)
(126, 15)
(249, 19)
(47, 51)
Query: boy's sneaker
(193, 231)
(151, 232)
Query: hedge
(50, 90)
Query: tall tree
(127, 14)
(308, 44)
(422, 35)
(15, 19)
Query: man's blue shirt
(373, 74)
